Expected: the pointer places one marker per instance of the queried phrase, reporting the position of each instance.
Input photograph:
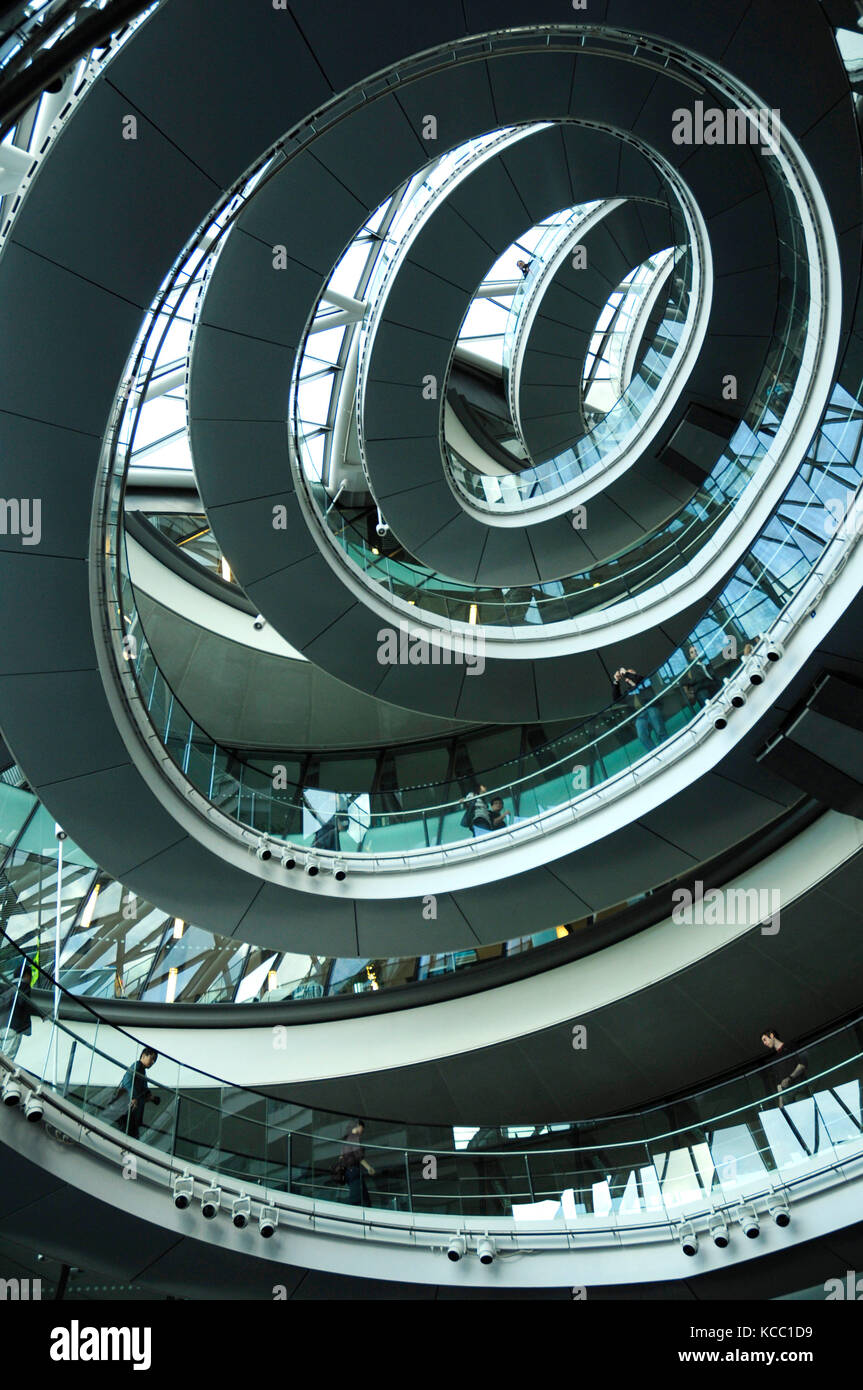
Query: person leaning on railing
(477, 816)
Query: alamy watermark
(20, 1290)
(21, 516)
(746, 125)
(407, 646)
(720, 907)
(852, 1289)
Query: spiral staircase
(380, 383)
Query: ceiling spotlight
(340, 873)
(263, 851)
(211, 1200)
(184, 1191)
(774, 651)
(738, 698)
(288, 861)
(688, 1239)
(241, 1212)
(259, 623)
(748, 1222)
(312, 868)
(456, 1249)
(268, 1221)
(34, 1108)
(777, 1207)
(757, 673)
(718, 1230)
(722, 716)
(11, 1091)
(486, 1251)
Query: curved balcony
(748, 1152)
(541, 480)
(114, 946)
(598, 751)
(59, 419)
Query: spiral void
(381, 383)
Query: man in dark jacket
(351, 1164)
(791, 1066)
(16, 1011)
(134, 1085)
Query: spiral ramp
(191, 228)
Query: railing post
(176, 1125)
(73, 1049)
(408, 1181)
(529, 1178)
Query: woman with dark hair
(352, 1163)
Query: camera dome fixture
(688, 1239)
(11, 1091)
(779, 1210)
(33, 1107)
(211, 1200)
(268, 1221)
(748, 1222)
(184, 1191)
(241, 1212)
(757, 672)
(719, 1231)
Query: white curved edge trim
(205, 610)
(578, 1252)
(749, 514)
(640, 319)
(377, 1043)
(619, 460)
(828, 590)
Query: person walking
(791, 1066)
(134, 1085)
(16, 1013)
(354, 1166)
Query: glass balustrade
(543, 480)
(433, 814)
(599, 749)
(114, 945)
(744, 1140)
